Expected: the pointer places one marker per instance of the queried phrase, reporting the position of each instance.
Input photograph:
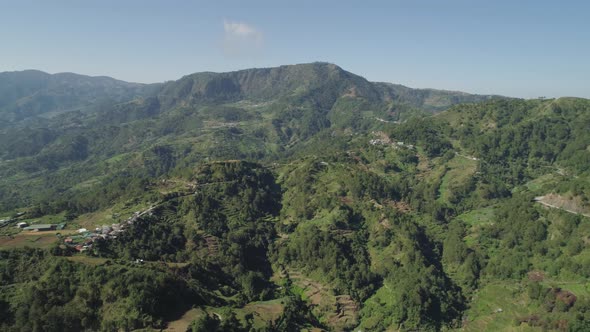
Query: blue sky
(515, 48)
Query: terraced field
(340, 312)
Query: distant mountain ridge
(296, 80)
(32, 93)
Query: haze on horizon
(526, 49)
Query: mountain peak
(263, 83)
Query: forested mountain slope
(298, 198)
(99, 127)
(28, 94)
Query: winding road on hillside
(539, 199)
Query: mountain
(74, 122)
(33, 93)
(304, 81)
(431, 100)
(296, 198)
(270, 83)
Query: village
(20, 230)
(85, 238)
(384, 139)
(81, 239)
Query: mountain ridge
(295, 198)
(26, 99)
(32, 93)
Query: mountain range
(53, 122)
(301, 197)
(32, 93)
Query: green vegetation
(294, 198)
(51, 293)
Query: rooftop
(39, 226)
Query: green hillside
(256, 114)
(27, 95)
(298, 198)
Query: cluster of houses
(379, 141)
(85, 238)
(383, 139)
(8, 221)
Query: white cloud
(241, 38)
